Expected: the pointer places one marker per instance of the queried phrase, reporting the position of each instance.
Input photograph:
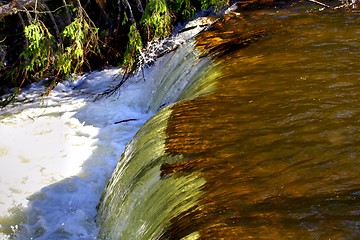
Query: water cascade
(269, 151)
(59, 151)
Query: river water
(254, 135)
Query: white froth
(57, 154)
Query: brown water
(271, 151)
(279, 141)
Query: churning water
(260, 143)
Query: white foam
(56, 156)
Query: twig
(113, 90)
(42, 12)
(35, 9)
(320, 3)
(126, 120)
(56, 28)
(128, 6)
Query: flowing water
(58, 152)
(264, 145)
(253, 135)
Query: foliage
(156, 19)
(39, 50)
(74, 52)
(184, 7)
(83, 38)
(64, 39)
(134, 45)
(42, 52)
(205, 4)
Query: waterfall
(137, 192)
(261, 144)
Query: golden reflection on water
(278, 143)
